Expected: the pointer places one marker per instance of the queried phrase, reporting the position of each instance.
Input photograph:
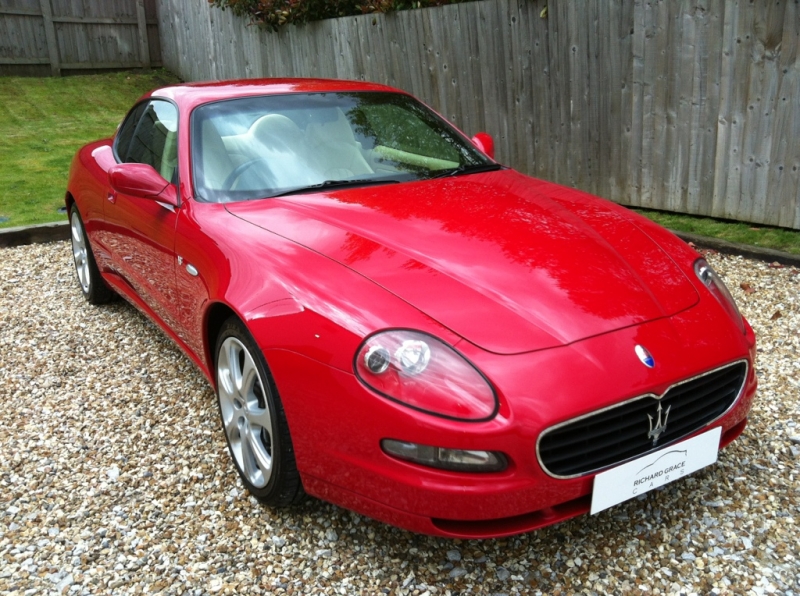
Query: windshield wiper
(468, 169)
(334, 184)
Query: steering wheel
(241, 169)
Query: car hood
(510, 263)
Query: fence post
(144, 43)
(50, 36)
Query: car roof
(189, 95)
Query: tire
(92, 285)
(253, 419)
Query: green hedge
(273, 14)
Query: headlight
(713, 282)
(424, 373)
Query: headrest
(274, 125)
(335, 130)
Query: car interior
(277, 152)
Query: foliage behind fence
(273, 14)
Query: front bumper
(337, 425)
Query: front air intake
(617, 434)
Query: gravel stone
(89, 390)
(502, 574)
(67, 581)
(278, 541)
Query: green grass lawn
(743, 233)
(43, 122)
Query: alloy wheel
(80, 252)
(245, 411)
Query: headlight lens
(712, 281)
(426, 374)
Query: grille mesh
(620, 433)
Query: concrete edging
(38, 234)
(52, 232)
(746, 250)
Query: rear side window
(149, 136)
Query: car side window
(125, 133)
(150, 136)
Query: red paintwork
(544, 289)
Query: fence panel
(682, 105)
(47, 36)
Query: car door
(140, 232)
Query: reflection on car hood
(510, 263)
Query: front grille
(619, 433)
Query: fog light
(459, 460)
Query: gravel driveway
(114, 477)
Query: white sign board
(654, 469)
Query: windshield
(265, 146)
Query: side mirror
(485, 143)
(141, 180)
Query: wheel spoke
(249, 376)
(261, 458)
(249, 463)
(224, 380)
(225, 384)
(77, 236)
(233, 365)
(259, 417)
(231, 428)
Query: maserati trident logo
(657, 430)
(644, 356)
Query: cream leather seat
(169, 157)
(281, 146)
(215, 163)
(335, 150)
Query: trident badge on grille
(657, 430)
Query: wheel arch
(216, 315)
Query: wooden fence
(41, 37)
(682, 105)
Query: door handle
(112, 197)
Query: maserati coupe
(395, 322)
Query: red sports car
(396, 323)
